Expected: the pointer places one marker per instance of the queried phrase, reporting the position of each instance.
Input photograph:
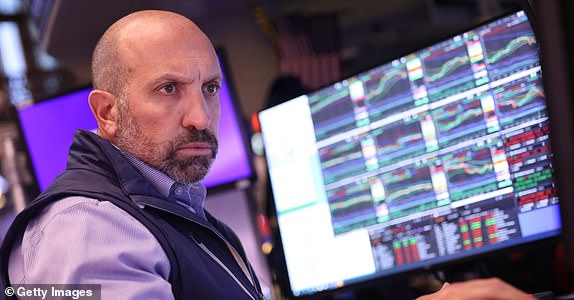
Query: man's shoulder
(80, 207)
(75, 234)
(84, 220)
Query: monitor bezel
(550, 239)
(241, 124)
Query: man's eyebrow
(178, 78)
(171, 77)
(217, 78)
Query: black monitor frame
(555, 28)
(282, 269)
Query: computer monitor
(438, 156)
(48, 128)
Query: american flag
(298, 58)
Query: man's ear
(105, 109)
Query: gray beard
(131, 139)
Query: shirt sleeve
(79, 240)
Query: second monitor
(436, 156)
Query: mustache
(194, 135)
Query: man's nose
(197, 112)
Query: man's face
(170, 113)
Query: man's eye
(211, 89)
(168, 89)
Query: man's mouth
(196, 149)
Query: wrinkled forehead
(163, 44)
(142, 37)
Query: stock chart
(388, 91)
(447, 131)
(510, 48)
(447, 70)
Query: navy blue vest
(96, 169)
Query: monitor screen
(436, 156)
(48, 128)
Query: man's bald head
(156, 78)
(110, 67)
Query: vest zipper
(216, 259)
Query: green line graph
(434, 74)
(511, 47)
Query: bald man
(127, 213)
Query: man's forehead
(168, 30)
(167, 46)
(181, 62)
